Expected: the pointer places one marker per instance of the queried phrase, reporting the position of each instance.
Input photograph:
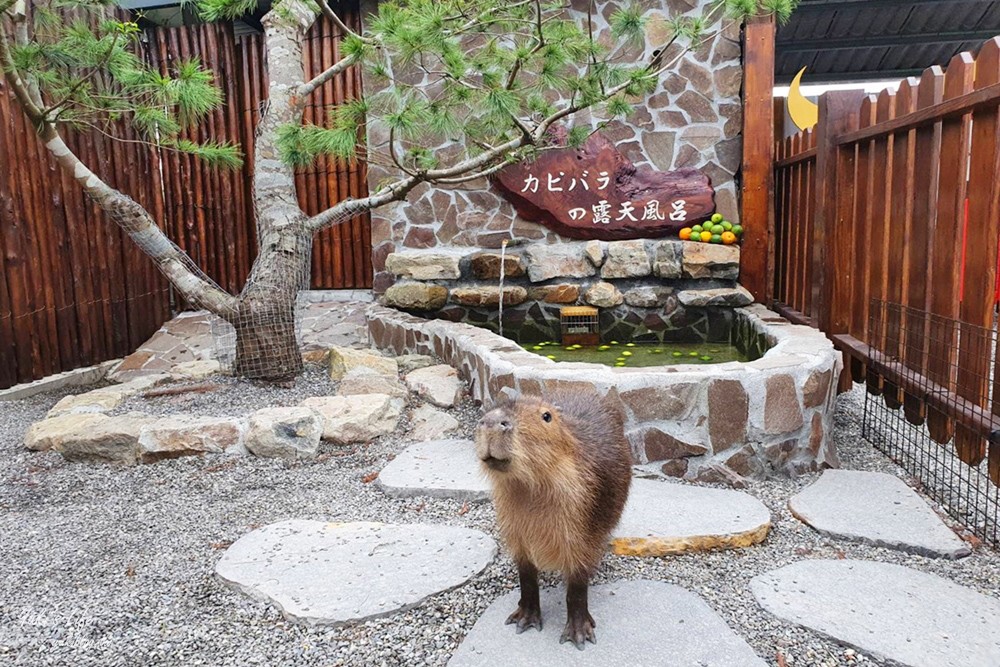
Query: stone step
(437, 468)
(663, 518)
(638, 623)
(888, 611)
(875, 508)
(321, 573)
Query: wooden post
(757, 213)
(832, 244)
(839, 112)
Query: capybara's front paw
(526, 617)
(578, 630)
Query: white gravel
(105, 566)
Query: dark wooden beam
(784, 78)
(908, 39)
(757, 212)
(838, 5)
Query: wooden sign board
(595, 192)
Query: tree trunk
(266, 345)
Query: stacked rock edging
(370, 402)
(662, 290)
(721, 423)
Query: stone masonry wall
(717, 423)
(646, 291)
(694, 119)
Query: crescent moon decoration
(804, 113)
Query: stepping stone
(875, 508)
(321, 573)
(636, 620)
(888, 611)
(437, 468)
(663, 518)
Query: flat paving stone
(320, 573)
(875, 508)
(638, 623)
(888, 611)
(437, 468)
(663, 518)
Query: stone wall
(715, 423)
(646, 291)
(694, 119)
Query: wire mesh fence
(929, 408)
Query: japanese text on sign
(603, 213)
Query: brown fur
(566, 481)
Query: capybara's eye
(547, 416)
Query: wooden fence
(73, 290)
(887, 220)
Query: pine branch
(308, 88)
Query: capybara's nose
(495, 420)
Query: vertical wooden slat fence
(794, 182)
(337, 256)
(901, 192)
(74, 290)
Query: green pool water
(636, 355)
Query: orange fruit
(685, 233)
(728, 238)
(706, 236)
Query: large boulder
(429, 423)
(367, 381)
(626, 259)
(667, 262)
(647, 296)
(439, 385)
(344, 359)
(46, 434)
(199, 369)
(415, 296)
(709, 260)
(110, 440)
(554, 261)
(486, 266)
(603, 295)
(720, 296)
(561, 293)
(489, 295)
(411, 362)
(286, 433)
(424, 265)
(104, 399)
(186, 435)
(359, 418)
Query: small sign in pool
(638, 355)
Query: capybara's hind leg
(579, 623)
(529, 610)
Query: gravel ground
(230, 397)
(105, 566)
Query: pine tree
(502, 72)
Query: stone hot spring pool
(760, 406)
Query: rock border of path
(329, 574)
(366, 406)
